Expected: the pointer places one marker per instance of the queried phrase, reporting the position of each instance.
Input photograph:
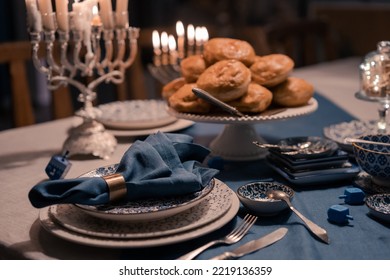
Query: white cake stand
(235, 142)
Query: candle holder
(87, 50)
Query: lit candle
(46, 10)
(205, 34)
(106, 13)
(198, 39)
(190, 39)
(122, 18)
(62, 14)
(180, 38)
(156, 48)
(164, 47)
(96, 21)
(172, 50)
(34, 18)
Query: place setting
(117, 206)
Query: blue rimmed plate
(146, 209)
(379, 206)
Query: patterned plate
(145, 209)
(212, 207)
(135, 114)
(379, 206)
(73, 236)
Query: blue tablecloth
(364, 238)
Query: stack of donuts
(230, 70)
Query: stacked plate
(311, 160)
(139, 117)
(144, 223)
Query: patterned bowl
(374, 158)
(379, 206)
(254, 197)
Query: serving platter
(235, 141)
(108, 242)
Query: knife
(253, 245)
(211, 99)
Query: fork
(236, 235)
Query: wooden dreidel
(339, 214)
(353, 196)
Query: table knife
(253, 245)
(211, 99)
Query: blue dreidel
(339, 214)
(353, 196)
(58, 167)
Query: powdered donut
(192, 67)
(293, 92)
(185, 101)
(171, 87)
(226, 80)
(272, 69)
(256, 100)
(218, 49)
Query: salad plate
(145, 209)
(135, 114)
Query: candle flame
(205, 34)
(164, 40)
(198, 34)
(95, 10)
(156, 39)
(172, 43)
(179, 29)
(190, 32)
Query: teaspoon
(317, 230)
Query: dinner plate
(353, 129)
(379, 206)
(226, 118)
(135, 114)
(144, 209)
(212, 207)
(175, 126)
(61, 232)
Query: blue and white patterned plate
(379, 206)
(145, 209)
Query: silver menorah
(88, 48)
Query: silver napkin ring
(116, 186)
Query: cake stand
(235, 142)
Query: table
(24, 153)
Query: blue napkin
(165, 164)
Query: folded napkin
(165, 164)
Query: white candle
(46, 9)
(96, 20)
(34, 18)
(172, 50)
(156, 48)
(122, 18)
(62, 14)
(180, 38)
(190, 39)
(106, 13)
(164, 47)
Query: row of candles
(167, 51)
(40, 14)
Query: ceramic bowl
(254, 197)
(374, 159)
(379, 206)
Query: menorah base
(90, 138)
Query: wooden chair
(307, 41)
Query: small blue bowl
(374, 159)
(254, 197)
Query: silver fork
(231, 238)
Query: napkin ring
(116, 186)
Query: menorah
(97, 45)
(168, 53)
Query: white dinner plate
(144, 209)
(212, 207)
(73, 236)
(135, 114)
(175, 126)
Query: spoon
(354, 140)
(317, 230)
